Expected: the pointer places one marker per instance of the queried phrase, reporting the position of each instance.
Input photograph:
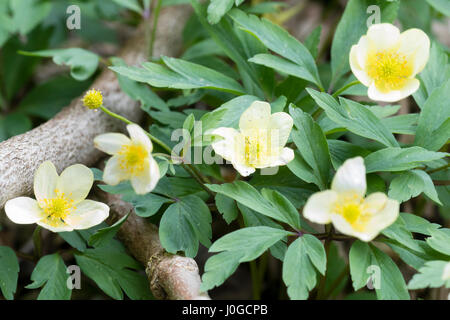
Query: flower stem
(321, 288)
(351, 84)
(37, 241)
(438, 169)
(155, 25)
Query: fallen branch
(170, 276)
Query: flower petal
(286, 156)
(146, 182)
(138, 135)
(45, 179)
(244, 170)
(383, 218)
(280, 126)
(257, 116)
(88, 214)
(319, 206)
(113, 172)
(411, 86)
(75, 182)
(357, 69)
(61, 227)
(226, 147)
(23, 210)
(351, 177)
(415, 44)
(377, 223)
(111, 143)
(383, 36)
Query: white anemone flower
(131, 159)
(346, 207)
(387, 61)
(60, 203)
(259, 142)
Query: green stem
(321, 288)
(37, 241)
(438, 169)
(155, 25)
(153, 138)
(351, 84)
(255, 280)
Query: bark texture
(170, 276)
(67, 139)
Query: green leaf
(301, 169)
(352, 26)
(113, 271)
(184, 224)
(50, 272)
(312, 144)
(183, 75)
(74, 239)
(365, 260)
(299, 274)
(239, 246)
(355, 117)
(130, 4)
(9, 272)
(226, 37)
(399, 159)
(254, 219)
(48, 98)
(219, 268)
(227, 207)
(439, 240)
(252, 242)
(144, 205)
(82, 63)
(103, 236)
(435, 74)
(27, 14)
(228, 114)
(399, 232)
(282, 65)
(217, 9)
(418, 224)
(139, 91)
(343, 150)
(280, 41)
(410, 184)
(433, 129)
(430, 275)
(441, 6)
(275, 205)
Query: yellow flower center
(252, 153)
(93, 99)
(352, 208)
(132, 158)
(389, 69)
(57, 209)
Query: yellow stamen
(93, 99)
(352, 208)
(389, 69)
(132, 158)
(57, 209)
